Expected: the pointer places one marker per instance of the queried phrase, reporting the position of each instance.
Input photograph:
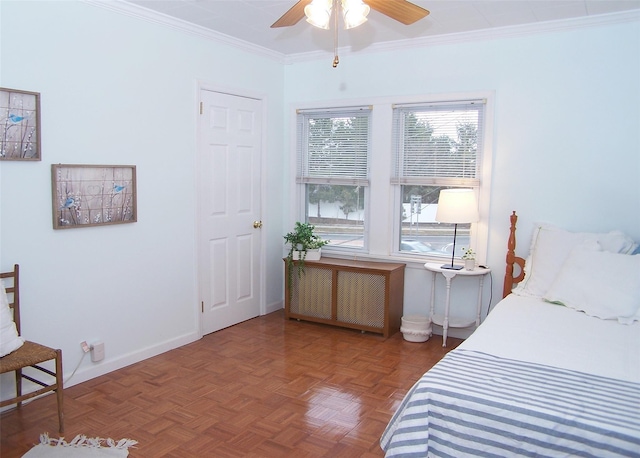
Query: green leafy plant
(301, 239)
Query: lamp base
(450, 267)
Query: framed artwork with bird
(20, 124)
(93, 195)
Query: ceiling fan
(400, 10)
(320, 12)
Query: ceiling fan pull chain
(336, 61)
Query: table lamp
(457, 206)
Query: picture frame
(19, 125)
(93, 195)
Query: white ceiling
(250, 20)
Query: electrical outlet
(97, 352)
(84, 346)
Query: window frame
(302, 180)
(381, 233)
(399, 179)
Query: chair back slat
(30, 355)
(13, 292)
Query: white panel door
(229, 186)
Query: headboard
(509, 278)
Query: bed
(554, 370)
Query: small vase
(314, 254)
(469, 264)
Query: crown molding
(480, 35)
(130, 9)
(139, 12)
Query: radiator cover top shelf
(364, 295)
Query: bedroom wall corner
(116, 90)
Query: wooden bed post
(512, 259)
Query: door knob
(257, 224)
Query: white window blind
(438, 144)
(333, 146)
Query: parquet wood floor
(263, 388)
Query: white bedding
(535, 379)
(530, 329)
(539, 378)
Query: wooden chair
(30, 355)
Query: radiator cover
(362, 295)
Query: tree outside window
(438, 146)
(333, 167)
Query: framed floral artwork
(20, 124)
(93, 195)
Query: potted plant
(469, 258)
(303, 244)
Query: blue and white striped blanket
(475, 404)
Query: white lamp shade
(318, 13)
(354, 13)
(457, 206)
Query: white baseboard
(274, 307)
(96, 370)
(110, 365)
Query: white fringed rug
(80, 447)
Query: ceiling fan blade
(400, 10)
(293, 16)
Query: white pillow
(617, 242)
(599, 283)
(550, 247)
(9, 338)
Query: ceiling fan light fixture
(354, 13)
(318, 13)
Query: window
(437, 146)
(369, 177)
(333, 173)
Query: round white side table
(445, 320)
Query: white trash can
(416, 328)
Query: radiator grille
(312, 293)
(361, 298)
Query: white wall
(119, 90)
(566, 142)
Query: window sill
(410, 261)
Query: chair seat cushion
(27, 355)
(9, 338)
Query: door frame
(207, 86)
